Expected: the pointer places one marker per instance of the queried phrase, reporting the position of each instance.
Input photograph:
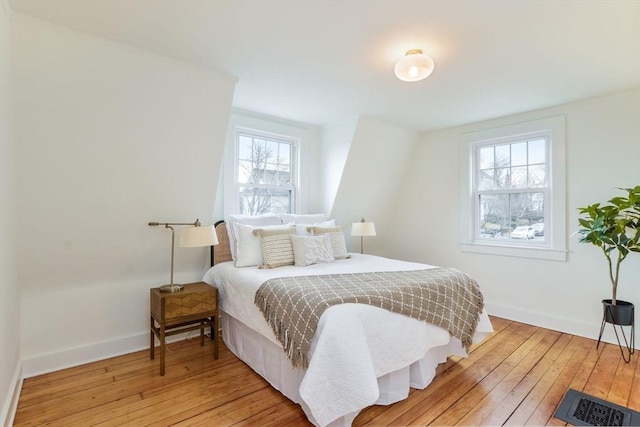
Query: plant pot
(620, 314)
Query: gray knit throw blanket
(444, 297)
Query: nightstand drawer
(186, 305)
(195, 299)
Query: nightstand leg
(152, 347)
(162, 349)
(202, 333)
(215, 335)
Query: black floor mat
(581, 409)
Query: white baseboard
(93, 352)
(10, 406)
(570, 326)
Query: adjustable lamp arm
(173, 237)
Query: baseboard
(10, 406)
(93, 352)
(562, 324)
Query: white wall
(373, 175)
(310, 194)
(336, 141)
(603, 152)
(9, 290)
(108, 138)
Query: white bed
(360, 355)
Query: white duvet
(354, 344)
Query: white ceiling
(321, 62)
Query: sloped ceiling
(319, 62)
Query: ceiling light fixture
(414, 66)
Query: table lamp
(362, 229)
(194, 236)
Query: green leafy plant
(615, 228)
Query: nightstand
(194, 307)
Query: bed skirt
(269, 360)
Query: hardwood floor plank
(382, 415)
(80, 400)
(549, 403)
(204, 389)
(634, 393)
(524, 389)
(516, 376)
(275, 416)
(456, 382)
(603, 372)
(620, 390)
(485, 397)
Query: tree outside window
(266, 170)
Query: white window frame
(554, 245)
(293, 184)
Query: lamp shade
(198, 236)
(414, 66)
(363, 229)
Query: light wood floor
(516, 377)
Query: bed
(360, 354)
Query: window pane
(244, 147)
(503, 158)
(519, 154)
(519, 177)
(255, 201)
(284, 155)
(494, 215)
(526, 209)
(503, 177)
(537, 176)
(271, 151)
(245, 170)
(486, 180)
(486, 158)
(537, 152)
(517, 216)
(284, 175)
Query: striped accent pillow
(338, 245)
(277, 249)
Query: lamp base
(171, 288)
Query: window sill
(547, 254)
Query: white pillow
(301, 229)
(248, 247)
(338, 245)
(309, 250)
(255, 220)
(302, 218)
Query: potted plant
(614, 228)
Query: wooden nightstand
(194, 307)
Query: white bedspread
(354, 344)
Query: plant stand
(622, 314)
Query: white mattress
(355, 345)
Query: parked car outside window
(523, 232)
(538, 228)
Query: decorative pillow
(254, 220)
(338, 245)
(301, 229)
(277, 249)
(302, 218)
(309, 250)
(248, 247)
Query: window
(513, 199)
(510, 188)
(265, 173)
